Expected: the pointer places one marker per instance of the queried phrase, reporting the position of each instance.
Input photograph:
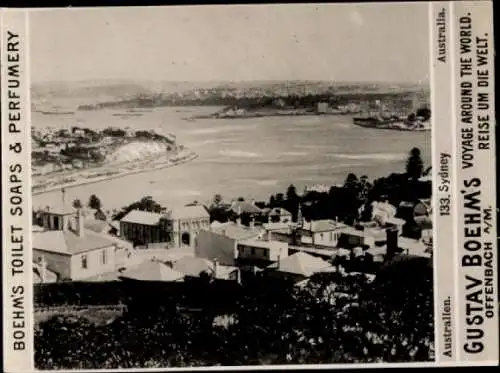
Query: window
(252, 250)
(56, 223)
(84, 262)
(331, 236)
(104, 257)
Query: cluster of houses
(71, 244)
(69, 148)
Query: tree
(100, 215)
(292, 201)
(366, 214)
(291, 193)
(424, 113)
(217, 199)
(414, 164)
(94, 202)
(77, 204)
(351, 180)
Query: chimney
(392, 243)
(79, 224)
(216, 267)
(253, 201)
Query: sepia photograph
(231, 185)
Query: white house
(74, 253)
(255, 249)
(321, 233)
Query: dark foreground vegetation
(333, 319)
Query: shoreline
(250, 115)
(135, 170)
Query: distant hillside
(91, 95)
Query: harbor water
(251, 158)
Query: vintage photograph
(231, 185)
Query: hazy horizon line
(131, 80)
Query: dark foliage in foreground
(333, 319)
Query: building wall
(95, 263)
(280, 236)
(282, 218)
(321, 239)
(59, 263)
(328, 239)
(188, 228)
(358, 240)
(53, 221)
(272, 252)
(143, 233)
(210, 245)
(171, 231)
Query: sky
(337, 42)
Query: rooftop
(188, 212)
(233, 230)
(395, 221)
(152, 271)
(243, 207)
(302, 264)
(259, 243)
(276, 211)
(192, 266)
(322, 225)
(322, 252)
(68, 242)
(142, 217)
(276, 226)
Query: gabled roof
(152, 271)
(192, 266)
(302, 264)
(142, 217)
(188, 212)
(243, 207)
(68, 242)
